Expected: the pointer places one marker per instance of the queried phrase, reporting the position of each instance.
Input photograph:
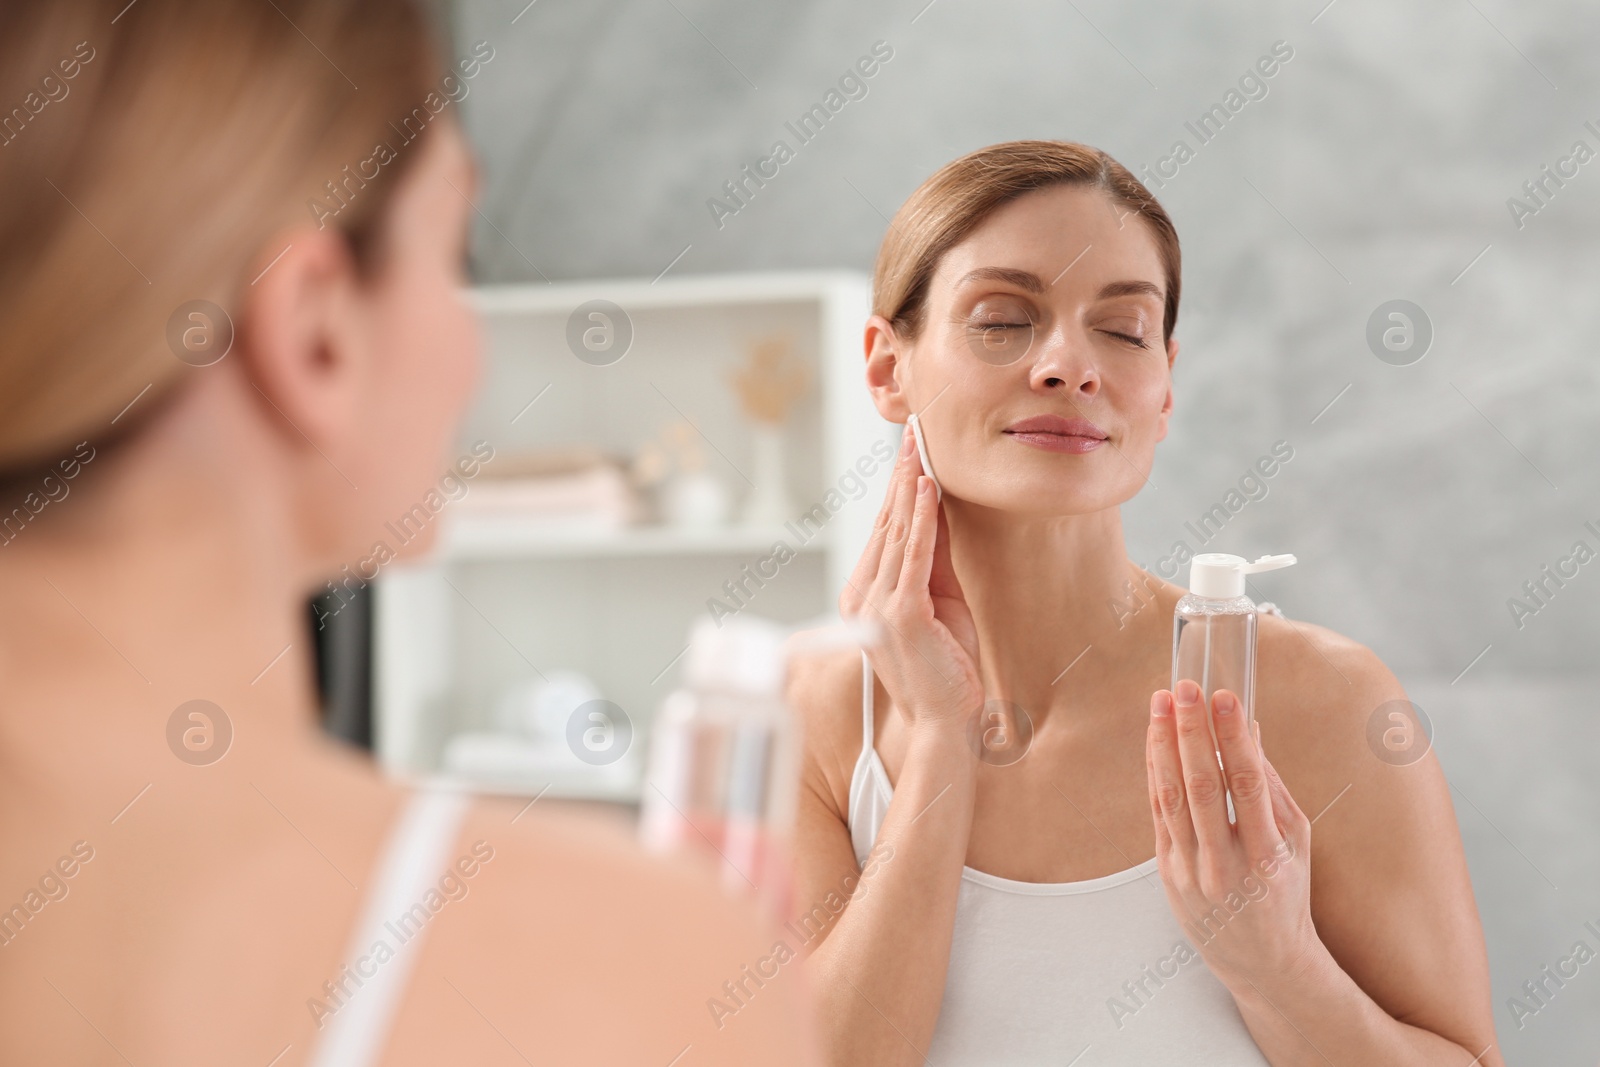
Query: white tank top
(1095, 973)
(415, 857)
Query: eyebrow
(1031, 282)
(1022, 279)
(1135, 288)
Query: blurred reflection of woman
(1085, 894)
(297, 164)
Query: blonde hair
(148, 153)
(963, 193)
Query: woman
(211, 883)
(1071, 885)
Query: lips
(1057, 426)
(1053, 433)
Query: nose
(1064, 362)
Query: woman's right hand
(927, 652)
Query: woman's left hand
(1241, 890)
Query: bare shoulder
(1391, 893)
(1315, 691)
(824, 693)
(584, 859)
(567, 905)
(1336, 724)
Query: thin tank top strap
(870, 791)
(358, 1007)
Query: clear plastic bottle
(721, 779)
(1214, 628)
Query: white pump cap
(1221, 577)
(751, 655)
(743, 654)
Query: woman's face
(426, 343)
(1040, 376)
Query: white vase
(768, 503)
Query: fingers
(867, 568)
(907, 448)
(1291, 822)
(1243, 767)
(924, 533)
(942, 580)
(897, 527)
(1202, 777)
(1166, 775)
(1163, 838)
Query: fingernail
(1161, 706)
(907, 442)
(1224, 703)
(1188, 693)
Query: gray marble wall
(1376, 167)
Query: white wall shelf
(485, 539)
(502, 601)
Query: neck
(1056, 601)
(156, 580)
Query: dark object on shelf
(342, 637)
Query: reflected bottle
(1214, 628)
(722, 778)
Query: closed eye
(1138, 342)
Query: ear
(1166, 405)
(300, 342)
(884, 363)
